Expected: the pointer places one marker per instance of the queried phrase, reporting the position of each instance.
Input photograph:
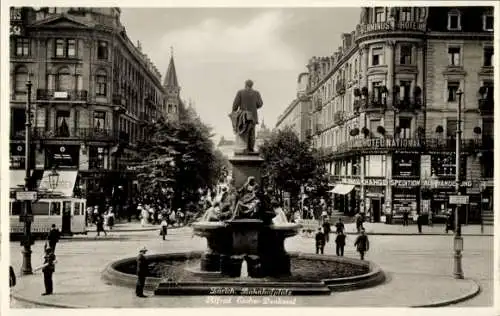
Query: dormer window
(488, 22)
(454, 23)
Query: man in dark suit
(142, 272)
(245, 104)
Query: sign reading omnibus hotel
(406, 183)
(391, 26)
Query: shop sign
(446, 183)
(373, 182)
(388, 143)
(459, 199)
(405, 183)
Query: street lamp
(53, 179)
(26, 266)
(458, 241)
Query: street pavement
(418, 269)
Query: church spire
(171, 76)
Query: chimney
(139, 47)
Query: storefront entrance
(376, 209)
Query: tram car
(57, 206)
(68, 214)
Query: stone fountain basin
(311, 275)
(202, 229)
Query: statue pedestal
(244, 166)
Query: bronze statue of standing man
(244, 116)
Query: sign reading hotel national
(383, 143)
(406, 183)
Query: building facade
(385, 109)
(296, 115)
(93, 91)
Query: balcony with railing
(390, 27)
(407, 103)
(376, 101)
(88, 134)
(61, 95)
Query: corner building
(384, 108)
(93, 93)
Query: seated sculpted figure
(221, 209)
(248, 202)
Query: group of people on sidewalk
(101, 219)
(323, 237)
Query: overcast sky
(217, 49)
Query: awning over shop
(65, 184)
(342, 189)
(16, 178)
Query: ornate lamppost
(27, 217)
(458, 243)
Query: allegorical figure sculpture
(248, 202)
(244, 114)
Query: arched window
(21, 77)
(454, 23)
(101, 80)
(64, 81)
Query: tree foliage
(290, 163)
(178, 154)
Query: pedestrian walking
(359, 222)
(100, 226)
(420, 220)
(143, 214)
(327, 229)
(111, 219)
(12, 277)
(320, 241)
(53, 237)
(339, 226)
(362, 244)
(340, 242)
(142, 272)
(164, 225)
(48, 269)
(405, 218)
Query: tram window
(67, 208)
(40, 208)
(17, 208)
(55, 208)
(77, 209)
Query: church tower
(172, 90)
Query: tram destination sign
(459, 199)
(26, 195)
